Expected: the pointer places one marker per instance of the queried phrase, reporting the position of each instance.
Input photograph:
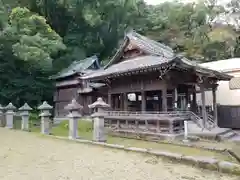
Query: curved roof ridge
(133, 34)
(77, 66)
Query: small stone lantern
(24, 112)
(1, 116)
(73, 116)
(45, 117)
(9, 115)
(98, 119)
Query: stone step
(235, 138)
(228, 135)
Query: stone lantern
(45, 117)
(24, 112)
(99, 133)
(10, 108)
(73, 116)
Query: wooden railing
(147, 114)
(146, 118)
(161, 122)
(210, 122)
(198, 119)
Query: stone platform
(213, 134)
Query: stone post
(1, 116)
(9, 115)
(98, 120)
(24, 112)
(185, 131)
(45, 117)
(73, 116)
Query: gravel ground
(27, 156)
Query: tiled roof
(81, 66)
(144, 62)
(203, 70)
(158, 54)
(145, 44)
(150, 46)
(138, 63)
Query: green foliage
(33, 39)
(189, 28)
(35, 34)
(27, 44)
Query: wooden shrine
(145, 77)
(69, 85)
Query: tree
(192, 29)
(27, 45)
(32, 38)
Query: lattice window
(234, 83)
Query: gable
(131, 51)
(137, 45)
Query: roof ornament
(199, 79)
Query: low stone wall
(201, 162)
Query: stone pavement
(27, 156)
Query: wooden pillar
(125, 100)
(143, 105)
(194, 100)
(187, 98)
(204, 112)
(136, 94)
(175, 98)
(110, 99)
(215, 118)
(121, 102)
(164, 99)
(116, 102)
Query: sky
(154, 2)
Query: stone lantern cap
(10, 106)
(45, 106)
(74, 105)
(99, 104)
(25, 107)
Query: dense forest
(40, 37)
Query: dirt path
(26, 156)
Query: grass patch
(85, 129)
(17, 123)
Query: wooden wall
(62, 97)
(229, 116)
(137, 84)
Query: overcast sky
(154, 2)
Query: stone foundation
(144, 135)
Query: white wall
(225, 96)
